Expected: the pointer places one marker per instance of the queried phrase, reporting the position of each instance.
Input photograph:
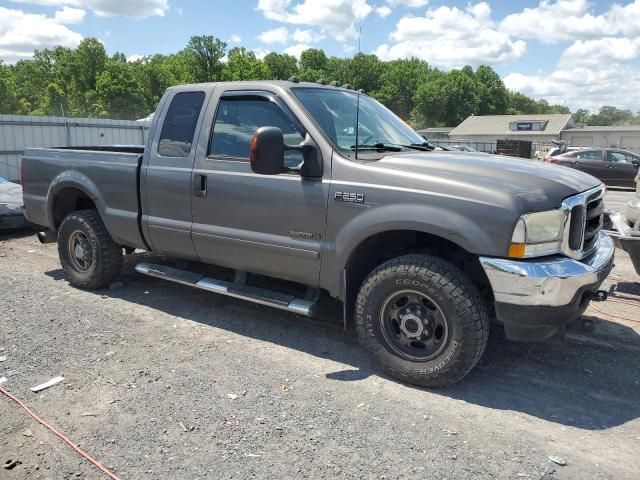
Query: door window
(620, 157)
(179, 125)
(589, 155)
(237, 120)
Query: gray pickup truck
(324, 188)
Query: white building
(485, 130)
(626, 137)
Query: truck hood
(538, 185)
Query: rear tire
(88, 254)
(422, 319)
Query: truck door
(166, 181)
(273, 225)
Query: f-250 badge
(350, 197)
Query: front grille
(585, 222)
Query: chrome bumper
(551, 282)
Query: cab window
(238, 118)
(179, 124)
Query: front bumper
(537, 298)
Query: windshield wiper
(423, 147)
(378, 146)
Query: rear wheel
(422, 319)
(88, 254)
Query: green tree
(313, 65)
(399, 83)
(365, 72)
(493, 97)
(446, 100)
(281, 66)
(205, 53)
(8, 90)
(609, 115)
(244, 65)
(119, 93)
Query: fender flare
(77, 181)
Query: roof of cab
(284, 84)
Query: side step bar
(262, 296)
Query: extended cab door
(269, 224)
(166, 176)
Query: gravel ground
(163, 381)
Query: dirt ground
(163, 381)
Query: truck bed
(108, 175)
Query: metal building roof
(435, 130)
(499, 125)
(608, 128)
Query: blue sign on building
(524, 126)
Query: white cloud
(409, 3)
(69, 15)
(552, 22)
(383, 11)
(334, 17)
(306, 36)
(625, 18)
(582, 87)
(603, 51)
(450, 37)
(21, 33)
(276, 35)
(135, 58)
(234, 38)
(297, 49)
(109, 8)
(261, 52)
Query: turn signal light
(253, 150)
(517, 250)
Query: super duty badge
(350, 197)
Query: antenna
(358, 100)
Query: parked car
(261, 177)
(617, 168)
(462, 148)
(555, 151)
(11, 215)
(633, 207)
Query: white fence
(18, 132)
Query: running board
(262, 296)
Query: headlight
(538, 234)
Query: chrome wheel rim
(80, 251)
(413, 325)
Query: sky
(579, 53)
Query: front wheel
(88, 254)
(422, 319)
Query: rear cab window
(180, 123)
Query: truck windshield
(335, 112)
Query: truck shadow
(587, 381)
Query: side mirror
(267, 151)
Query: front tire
(422, 319)
(88, 254)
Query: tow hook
(598, 295)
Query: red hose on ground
(61, 436)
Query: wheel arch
(382, 246)
(69, 192)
